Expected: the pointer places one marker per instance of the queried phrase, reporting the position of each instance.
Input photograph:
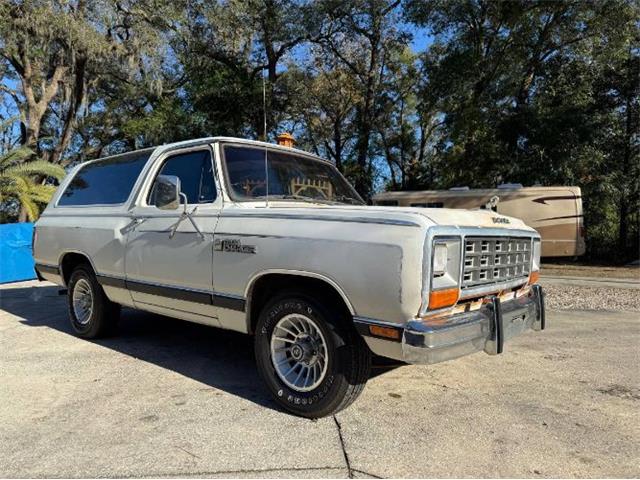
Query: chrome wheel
(82, 299)
(299, 352)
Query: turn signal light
(386, 332)
(443, 298)
(534, 277)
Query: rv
(555, 212)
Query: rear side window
(195, 170)
(105, 182)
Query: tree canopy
(401, 95)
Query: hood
(425, 217)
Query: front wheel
(312, 360)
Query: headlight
(534, 276)
(440, 257)
(535, 257)
(445, 273)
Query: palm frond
(14, 156)
(13, 187)
(42, 193)
(37, 167)
(33, 212)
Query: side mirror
(166, 192)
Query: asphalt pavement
(170, 398)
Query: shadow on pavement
(219, 358)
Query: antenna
(266, 163)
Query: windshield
(291, 177)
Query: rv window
(428, 205)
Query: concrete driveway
(169, 398)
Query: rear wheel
(92, 314)
(312, 360)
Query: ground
(169, 398)
(601, 271)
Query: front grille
(490, 260)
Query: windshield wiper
(295, 197)
(351, 200)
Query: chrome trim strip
(84, 214)
(250, 284)
(248, 292)
(84, 254)
(373, 321)
(377, 221)
(491, 288)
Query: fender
(301, 273)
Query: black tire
(104, 315)
(348, 357)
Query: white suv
(274, 242)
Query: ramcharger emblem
(233, 246)
(500, 220)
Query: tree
(364, 35)
(325, 97)
(62, 65)
(226, 50)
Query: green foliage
(531, 91)
(19, 180)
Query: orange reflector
(386, 332)
(534, 277)
(443, 298)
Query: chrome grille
(495, 260)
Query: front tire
(92, 314)
(312, 360)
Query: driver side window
(195, 171)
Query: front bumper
(487, 329)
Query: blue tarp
(16, 261)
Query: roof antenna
(266, 163)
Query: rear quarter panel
(99, 235)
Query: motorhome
(555, 212)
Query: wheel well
(271, 284)
(69, 262)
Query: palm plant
(20, 180)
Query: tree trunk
(22, 216)
(623, 227)
(337, 144)
(74, 106)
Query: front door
(172, 273)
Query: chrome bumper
(486, 329)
